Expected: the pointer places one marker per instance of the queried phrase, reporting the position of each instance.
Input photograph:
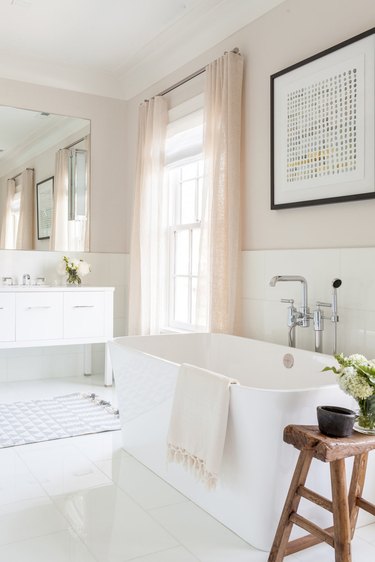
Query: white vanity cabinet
(7, 317)
(38, 316)
(84, 315)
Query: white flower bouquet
(73, 269)
(356, 377)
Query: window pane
(181, 300)
(194, 285)
(195, 250)
(188, 202)
(189, 171)
(200, 198)
(182, 252)
(81, 183)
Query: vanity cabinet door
(39, 316)
(84, 314)
(7, 317)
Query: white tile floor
(85, 500)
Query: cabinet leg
(87, 369)
(108, 375)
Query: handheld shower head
(336, 283)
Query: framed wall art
(44, 201)
(322, 127)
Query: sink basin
(23, 287)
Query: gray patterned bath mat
(55, 418)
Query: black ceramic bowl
(335, 421)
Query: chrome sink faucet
(296, 317)
(26, 279)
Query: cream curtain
(86, 234)
(7, 235)
(25, 232)
(148, 240)
(220, 241)
(59, 231)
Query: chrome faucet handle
(288, 301)
(7, 280)
(324, 304)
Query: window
(14, 218)
(77, 198)
(185, 196)
(185, 184)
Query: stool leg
(341, 520)
(356, 488)
(291, 505)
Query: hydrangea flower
(356, 375)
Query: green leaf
(368, 371)
(333, 368)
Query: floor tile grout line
(123, 451)
(181, 501)
(161, 552)
(251, 548)
(36, 537)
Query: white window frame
(175, 226)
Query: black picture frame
(44, 205)
(324, 167)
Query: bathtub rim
(117, 341)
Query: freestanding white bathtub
(257, 465)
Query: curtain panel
(25, 232)
(7, 241)
(148, 241)
(217, 298)
(59, 230)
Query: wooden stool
(344, 507)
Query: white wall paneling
(264, 317)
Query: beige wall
(291, 32)
(109, 200)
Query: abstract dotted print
(322, 128)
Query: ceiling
(114, 48)
(29, 133)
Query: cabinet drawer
(7, 317)
(84, 314)
(39, 316)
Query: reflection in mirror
(39, 153)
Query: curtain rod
(236, 51)
(20, 174)
(75, 142)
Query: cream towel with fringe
(198, 422)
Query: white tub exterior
(257, 465)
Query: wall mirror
(44, 180)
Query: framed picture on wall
(322, 127)
(44, 202)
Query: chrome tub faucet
(301, 316)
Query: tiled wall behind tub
(264, 317)
(59, 361)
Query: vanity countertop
(53, 288)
